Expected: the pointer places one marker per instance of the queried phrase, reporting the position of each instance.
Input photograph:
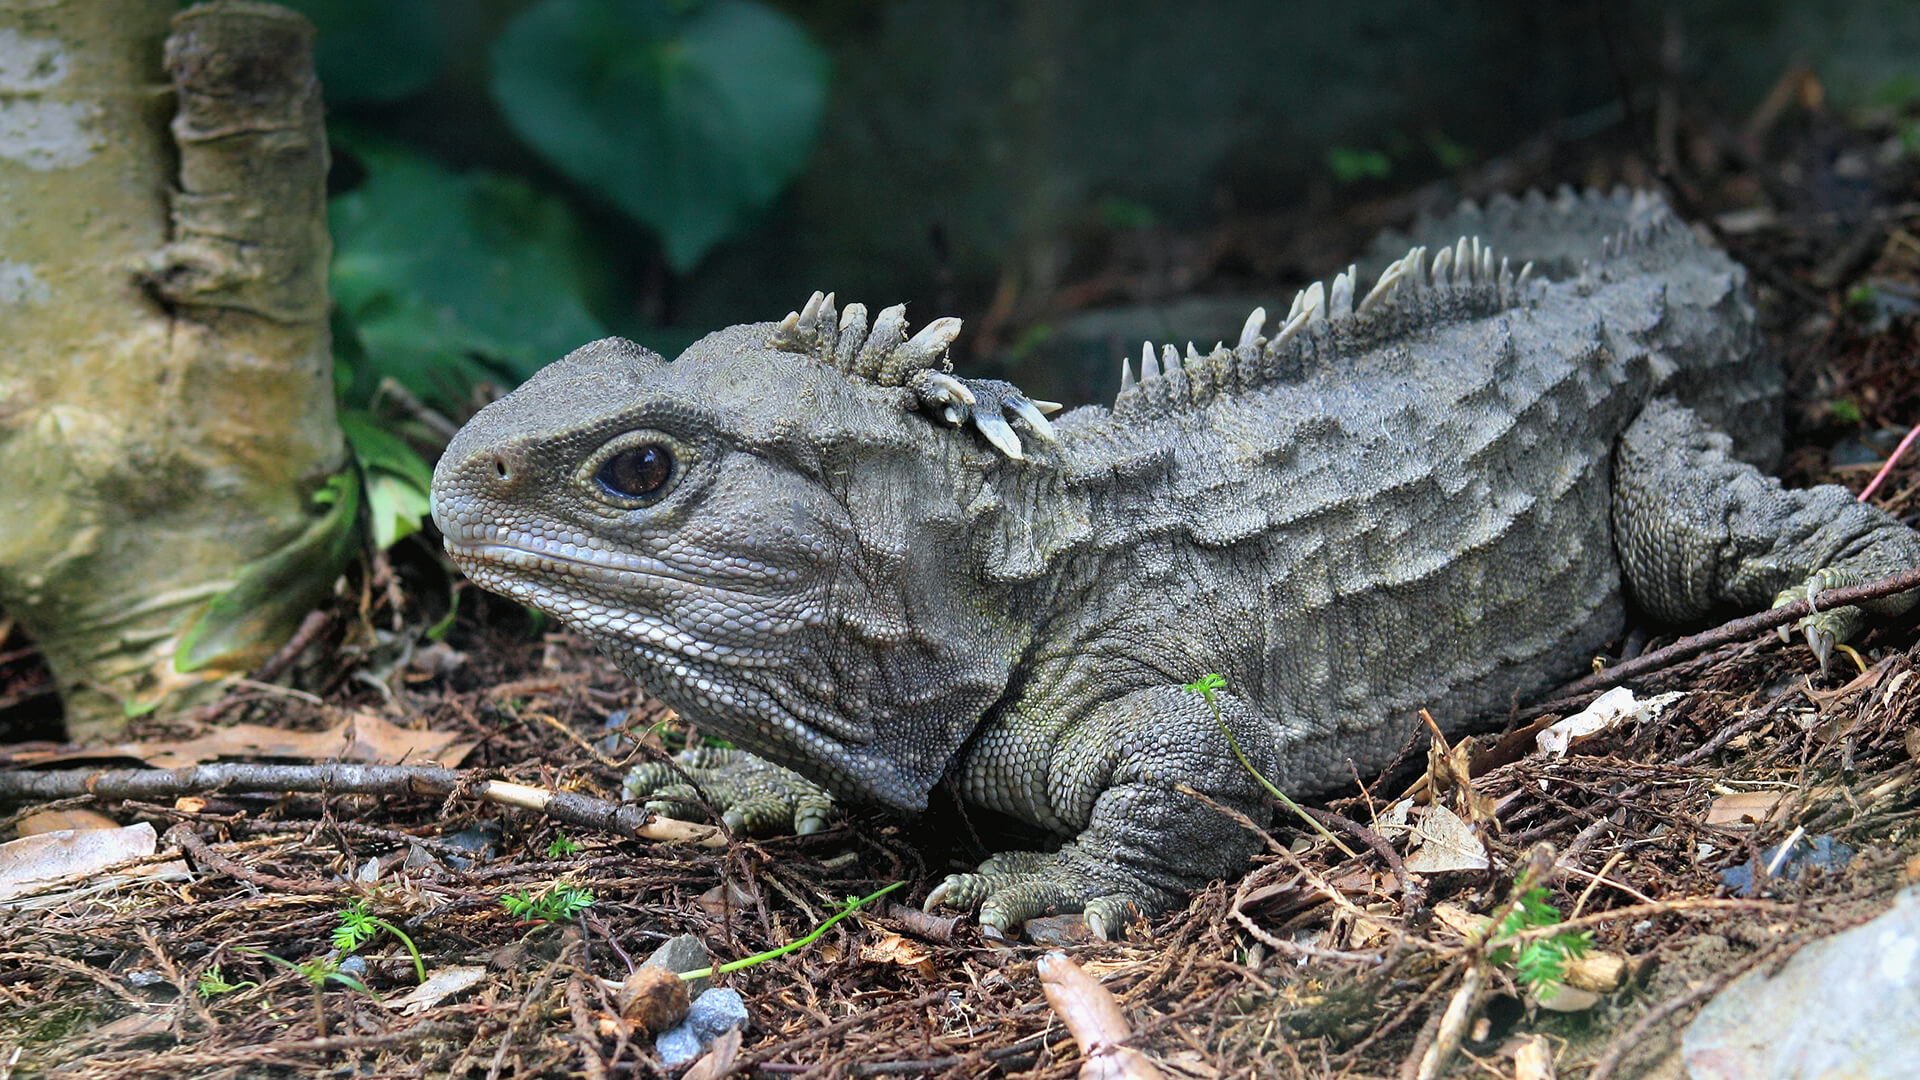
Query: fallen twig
(191, 843)
(1741, 629)
(584, 811)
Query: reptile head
(755, 535)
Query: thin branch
(571, 808)
(1740, 630)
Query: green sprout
(1540, 963)
(848, 907)
(1204, 686)
(357, 927)
(317, 972)
(556, 905)
(561, 847)
(212, 983)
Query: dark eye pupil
(638, 472)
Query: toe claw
(1821, 641)
(1107, 917)
(938, 897)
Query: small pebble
(713, 1014)
(682, 953)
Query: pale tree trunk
(166, 408)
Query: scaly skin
(815, 542)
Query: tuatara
(1439, 492)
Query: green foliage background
(686, 117)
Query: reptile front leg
(752, 796)
(1113, 778)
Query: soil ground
(1315, 964)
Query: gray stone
(713, 1014)
(682, 953)
(1848, 1006)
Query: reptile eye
(638, 472)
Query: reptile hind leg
(1114, 776)
(1699, 532)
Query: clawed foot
(1824, 629)
(1015, 886)
(987, 404)
(752, 796)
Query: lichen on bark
(166, 408)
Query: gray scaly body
(817, 543)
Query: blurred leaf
(377, 448)
(1350, 166)
(396, 507)
(272, 592)
(1115, 212)
(688, 117)
(451, 279)
(1451, 155)
(374, 50)
(398, 481)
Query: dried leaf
(723, 898)
(1462, 922)
(139, 1025)
(1608, 711)
(1093, 1018)
(441, 985)
(1447, 843)
(1559, 997)
(1745, 807)
(718, 1061)
(1600, 972)
(362, 736)
(894, 949)
(46, 821)
(1533, 1059)
(36, 863)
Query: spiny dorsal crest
(882, 354)
(1649, 219)
(1464, 280)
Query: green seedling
(851, 905)
(212, 983)
(358, 926)
(1539, 961)
(561, 847)
(559, 904)
(1205, 685)
(1350, 165)
(317, 972)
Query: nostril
(501, 469)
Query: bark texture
(166, 406)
